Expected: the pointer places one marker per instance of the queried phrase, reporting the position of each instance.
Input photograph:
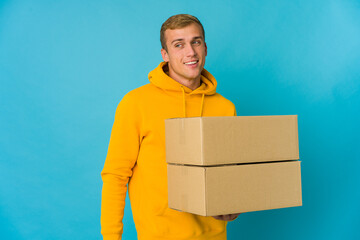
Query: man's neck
(192, 84)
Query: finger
(231, 217)
(218, 217)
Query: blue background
(65, 65)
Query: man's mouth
(192, 62)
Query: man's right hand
(228, 217)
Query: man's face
(186, 52)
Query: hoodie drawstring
(202, 104)
(184, 105)
(184, 102)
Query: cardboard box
(224, 165)
(218, 190)
(210, 141)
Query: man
(179, 87)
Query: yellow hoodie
(136, 156)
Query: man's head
(177, 22)
(183, 47)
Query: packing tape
(184, 197)
(182, 131)
(184, 171)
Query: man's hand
(228, 217)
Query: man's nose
(190, 51)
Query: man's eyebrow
(181, 39)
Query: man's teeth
(191, 62)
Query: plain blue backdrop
(65, 65)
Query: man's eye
(196, 42)
(178, 45)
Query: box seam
(202, 157)
(205, 195)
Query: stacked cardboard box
(224, 165)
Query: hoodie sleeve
(120, 160)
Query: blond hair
(176, 22)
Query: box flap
(253, 187)
(210, 141)
(183, 140)
(186, 189)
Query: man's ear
(205, 50)
(164, 55)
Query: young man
(179, 87)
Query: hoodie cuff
(112, 237)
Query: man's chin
(193, 78)
(194, 75)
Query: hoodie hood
(159, 78)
